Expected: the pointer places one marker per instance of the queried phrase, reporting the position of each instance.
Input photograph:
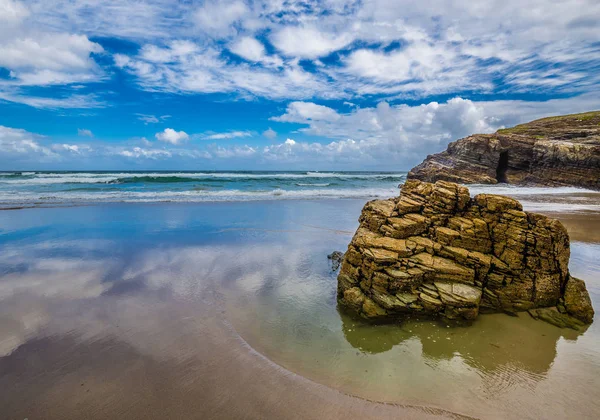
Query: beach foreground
(228, 310)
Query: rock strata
(555, 151)
(436, 251)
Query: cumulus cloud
(390, 137)
(171, 136)
(220, 17)
(84, 132)
(401, 136)
(306, 111)
(248, 48)
(309, 42)
(17, 145)
(270, 133)
(48, 59)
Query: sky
(281, 84)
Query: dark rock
(436, 251)
(552, 151)
(336, 258)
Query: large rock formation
(552, 151)
(436, 251)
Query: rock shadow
(502, 168)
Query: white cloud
(391, 137)
(48, 59)
(12, 11)
(248, 48)
(171, 136)
(137, 20)
(77, 149)
(219, 17)
(151, 119)
(226, 135)
(21, 144)
(233, 152)
(402, 48)
(205, 71)
(270, 133)
(66, 102)
(407, 48)
(401, 136)
(416, 61)
(307, 111)
(139, 152)
(84, 132)
(309, 42)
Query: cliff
(555, 151)
(436, 251)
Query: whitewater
(35, 189)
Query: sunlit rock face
(553, 151)
(436, 251)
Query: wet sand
(213, 374)
(226, 311)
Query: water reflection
(82, 303)
(490, 344)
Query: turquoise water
(47, 188)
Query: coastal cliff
(436, 251)
(555, 151)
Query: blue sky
(281, 84)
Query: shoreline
(579, 223)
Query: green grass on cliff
(544, 126)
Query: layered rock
(552, 151)
(436, 251)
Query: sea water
(27, 189)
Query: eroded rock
(436, 251)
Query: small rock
(336, 258)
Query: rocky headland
(555, 151)
(435, 251)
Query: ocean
(48, 188)
(44, 189)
